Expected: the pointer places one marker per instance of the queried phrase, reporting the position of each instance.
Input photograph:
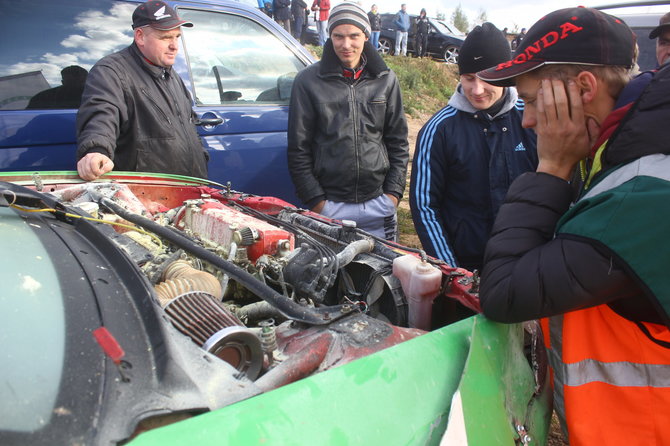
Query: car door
(240, 66)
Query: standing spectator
(298, 8)
(135, 111)
(268, 7)
(321, 10)
(518, 39)
(594, 269)
(347, 137)
(467, 155)
(401, 23)
(662, 35)
(422, 30)
(375, 25)
(282, 13)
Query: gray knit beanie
(484, 47)
(351, 14)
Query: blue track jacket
(464, 162)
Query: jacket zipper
(354, 115)
(156, 106)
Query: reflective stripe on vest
(585, 336)
(655, 166)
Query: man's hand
(94, 164)
(319, 206)
(563, 135)
(394, 199)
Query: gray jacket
(140, 116)
(347, 139)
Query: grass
(426, 85)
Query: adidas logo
(160, 14)
(520, 148)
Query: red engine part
(216, 222)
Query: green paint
(399, 396)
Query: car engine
(277, 292)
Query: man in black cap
(136, 113)
(347, 132)
(662, 35)
(595, 269)
(467, 155)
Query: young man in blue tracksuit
(467, 155)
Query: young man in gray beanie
(347, 132)
(467, 155)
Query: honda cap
(582, 36)
(157, 15)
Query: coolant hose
(290, 309)
(348, 254)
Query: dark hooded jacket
(531, 271)
(347, 139)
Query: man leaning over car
(136, 113)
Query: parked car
(144, 309)
(237, 63)
(443, 43)
(309, 36)
(642, 17)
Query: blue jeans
(374, 39)
(400, 43)
(322, 28)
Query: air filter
(210, 325)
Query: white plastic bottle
(421, 283)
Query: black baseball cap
(663, 24)
(582, 36)
(157, 15)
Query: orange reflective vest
(611, 382)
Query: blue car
(237, 63)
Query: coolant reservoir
(421, 283)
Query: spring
(268, 336)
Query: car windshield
(442, 27)
(32, 330)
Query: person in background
(347, 131)
(282, 13)
(298, 8)
(518, 39)
(467, 155)
(402, 24)
(267, 7)
(375, 26)
(422, 30)
(593, 269)
(662, 35)
(321, 10)
(136, 113)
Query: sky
(514, 15)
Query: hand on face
(564, 134)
